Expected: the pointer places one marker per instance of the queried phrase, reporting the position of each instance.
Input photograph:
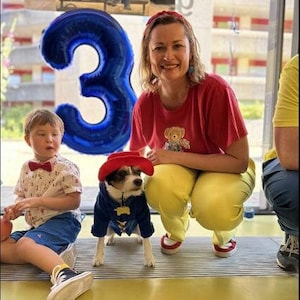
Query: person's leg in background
(281, 188)
(126, 4)
(113, 2)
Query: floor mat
(255, 256)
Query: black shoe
(288, 254)
(127, 7)
(68, 284)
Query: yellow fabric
(287, 107)
(216, 199)
(168, 190)
(58, 268)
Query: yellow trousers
(216, 199)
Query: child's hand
(11, 212)
(25, 203)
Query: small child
(48, 193)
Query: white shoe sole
(71, 289)
(224, 254)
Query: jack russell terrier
(121, 205)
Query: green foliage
(6, 48)
(12, 121)
(13, 117)
(252, 109)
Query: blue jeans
(281, 189)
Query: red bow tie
(45, 166)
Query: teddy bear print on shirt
(175, 140)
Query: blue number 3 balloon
(109, 82)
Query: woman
(198, 143)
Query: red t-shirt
(208, 122)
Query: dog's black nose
(138, 182)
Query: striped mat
(255, 257)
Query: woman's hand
(159, 156)
(234, 160)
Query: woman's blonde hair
(42, 117)
(196, 71)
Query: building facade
(233, 37)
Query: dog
(121, 206)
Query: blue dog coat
(122, 218)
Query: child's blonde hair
(42, 117)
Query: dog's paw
(150, 261)
(109, 240)
(139, 239)
(98, 261)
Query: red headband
(167, 13)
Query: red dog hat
(127, 158)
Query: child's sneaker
(288, 254)
(68, 284)
(226, 250)
(69, 255)
(169, 246)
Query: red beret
(126, 158)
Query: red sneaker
(226, 250)
(169, 246)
